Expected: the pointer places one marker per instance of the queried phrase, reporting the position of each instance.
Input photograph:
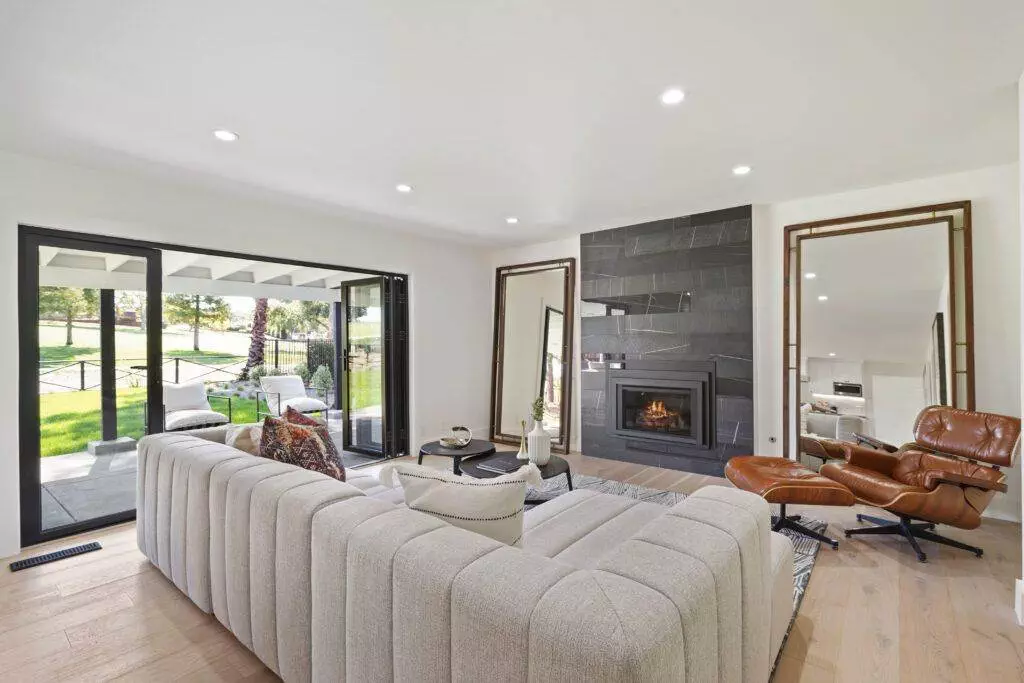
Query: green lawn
(71, 419)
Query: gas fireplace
(661, 406)
(662, 412)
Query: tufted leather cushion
(779, 480)
(978, 436)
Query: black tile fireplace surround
(667, 342)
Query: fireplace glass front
(665, 412)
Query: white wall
(559, 249)
(450, 375)
(994, 195)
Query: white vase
(539, 444)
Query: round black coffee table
(555, 467)
(475, 449)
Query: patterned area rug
(805, 549)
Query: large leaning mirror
(532, 349)
(878, 323)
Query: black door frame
(395, 316)
(29, 241)
(346, 399)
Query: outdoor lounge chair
(187, 406)
(287, 391)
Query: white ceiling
(883, 292)
(546, 111)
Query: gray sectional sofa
(332, 581)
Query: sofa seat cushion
(581, 527)
(190, 419)
(372, 488)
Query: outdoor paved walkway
(81, 486)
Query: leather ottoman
(784, 481)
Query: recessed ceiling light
(810, 276)
(672, 96)
(403, 188)
(225, 135)
(511, 220)
(832, 354)
(822, 297)
(741, 170)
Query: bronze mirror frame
(568, 266)
(957, 216)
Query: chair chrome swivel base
(912, 530)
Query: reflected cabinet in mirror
(878, 324)
(532, 349)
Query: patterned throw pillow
(308, 447)
(297, 418)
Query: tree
(315, 316)
(284, 319)
(68, 303)
(196, 311)
(257, 336)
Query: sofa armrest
(870, 459)
(936, 477)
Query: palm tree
(256, 338)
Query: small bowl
(453, 443)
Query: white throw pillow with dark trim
(492, 507)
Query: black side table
(556, 467)
(476, 448)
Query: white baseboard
(989, 514)
(1019, 602)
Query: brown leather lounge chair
(947, 476)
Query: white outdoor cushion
(191, 396)
(183, 419)
(303, 404)
(492, 507)
(281, 388)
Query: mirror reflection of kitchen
(875, 332)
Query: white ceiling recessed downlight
(511, 220)
(810, 276)
(832, 354)
(672, 97)
(742, 169)
(225, 135)
(822, 297)
(403, 188)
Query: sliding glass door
(89, 316)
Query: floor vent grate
(54, 556)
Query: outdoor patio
(82, 486)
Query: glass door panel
(90, 354)
(363, 358)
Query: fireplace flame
(656, 414)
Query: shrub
(275, 372)
(302, 371)
(322, 380)
(319, 352)
(258, 372)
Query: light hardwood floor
(871, 612)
